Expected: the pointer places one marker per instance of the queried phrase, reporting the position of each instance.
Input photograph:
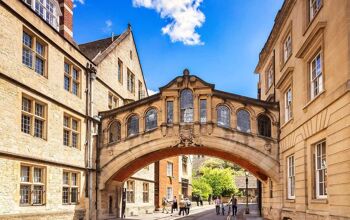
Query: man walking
(182, 205)
(164, 204)
(233, 201)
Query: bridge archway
(198, 128)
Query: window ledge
(132, 136)
(287, 122)
(312, 100)
(290, 200)
(319, 201)
(150, 130)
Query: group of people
(183, 206)
(220, 206)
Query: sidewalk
(163, 216)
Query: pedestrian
(182, 205)
(217, 205)
(222, 208)
(201, 200)
(164, 205)
(187, 206)
(174, 205)
(209, 199)
(233, 202)
(197, 200)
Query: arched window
(133, 125)
(186, 105)
(264, 126)
(223, 114)
(114, 132)
(243, 120)
(151, 119)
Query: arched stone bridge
(189, 116)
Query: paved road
(211, 215)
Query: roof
(92, 49)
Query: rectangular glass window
(170, 112)
(315, 6)
(130, 191)
(287, 47)
(71, 79)
(33, 120)
(145, 194)
(120, 71)
(46, 9)
(321, 170)
(170, 169)
(70, 188)
(291, 177)
(169, 193)
(33, 52)
(269, 76)
(203, 110)
(316, 77)
(288, 105)
(32, 185)
(71, 134)
(131, 82)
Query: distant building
(240, 182)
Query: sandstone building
(304, 65)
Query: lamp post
(246, 191)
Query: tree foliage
(201, 187)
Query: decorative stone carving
(268, 147)
(187, 137)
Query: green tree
(202, 188)
(221, 181)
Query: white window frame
(170, 169)
(316, 82)
(287, 47)
(55, 12)
(322, 169)
(288, 104)
(169, 193)
(314, 10)
(291, 177)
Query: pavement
(205, 212)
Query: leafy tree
(202, 188)
(220, 180)
(221, 164)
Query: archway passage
(189, 116)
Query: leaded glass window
(203, 110)
(170, 111)
(243, 121)
(133, 125)
(223, 115)
(151, 119)
(186, 105)
(114, 132)
(264, 126)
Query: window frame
(169, 196)
(290, 177)
(128, 124)
(203, 111)
(147, 114)
(70, 75)
(33, 117)
(249, 120)
(170, 117)
(118, 133)
(113, 101)
(71, 186)
(319, 77)
(269, 75)
(287, 51)
(130, 81)
(170, 169)
(130, 192)
(312, 14)
(317, 170)
(120, 71)
(186, 112)
(35, 55)
(31, 183)
(72, 131)
(145, 192)
(288, 105)
(228, 125)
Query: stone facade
(315, 118)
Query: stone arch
(122, 166)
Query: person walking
(187, 206)
(174, 205)
(209, 199)
(233, 202)
(217, 205)
(164, 205)
(182, 205)
(222, 208)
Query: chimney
(66, 20)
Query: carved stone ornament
(268, 147)
(187, 138)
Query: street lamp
(246, 191)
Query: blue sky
(218, 40)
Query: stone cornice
(280, 20)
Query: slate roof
(91, 49)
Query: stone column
(176, 110)
(195, 108)
(209, 108)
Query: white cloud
(184, 16)
(108, 26)
(80, 1)
(151, 92)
